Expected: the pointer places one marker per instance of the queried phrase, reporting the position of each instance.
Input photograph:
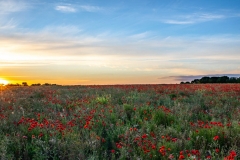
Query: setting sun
(3, 81)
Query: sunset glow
(3, 82)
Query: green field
(187, 121)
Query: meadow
(135, 122)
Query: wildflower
(144, 136)
(112, 151)
(217, 150)
(215, 138)
(170, 156)
(162, 150)
(152, 134)
(153, 146)
(40, 135)
(174, 139)
(231, 156)
(118, 145)
(181, 157)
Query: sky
(76, 42)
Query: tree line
(26, 84)
(223, 79)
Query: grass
(120, 122)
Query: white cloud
(177, 22)
(75, 8)
(65, 8)
(193, 18)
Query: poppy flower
(215, 138)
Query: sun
(3, 81)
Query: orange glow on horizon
(3, 81)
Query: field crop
(188, 121)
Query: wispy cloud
(65, 8)
(10, 6)
(90, 8)
(140, 35)
(193, 18)
(70, 9)
(69, 30)
(70, 45)
(8, 24)
(170, 21)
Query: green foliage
(103, 100)
(129, 110)
(223, 79)
(162, 118)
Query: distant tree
(238, 80)
(24, 84)
(195, 81)
(223, 79)
(37, 84)
(213, 79)
(232, 80)
(13, 84)
(187, 83)
(47, 84)
(204, 80)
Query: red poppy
(144, 136)
(181, 157)
(215, 138)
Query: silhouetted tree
(204, 80)
(223, 79)
(213, 79)
(238, 80)
(232, 80)
(24, 84)
(37, 84)
(195, 81)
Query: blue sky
(118, 42)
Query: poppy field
(135, 122)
